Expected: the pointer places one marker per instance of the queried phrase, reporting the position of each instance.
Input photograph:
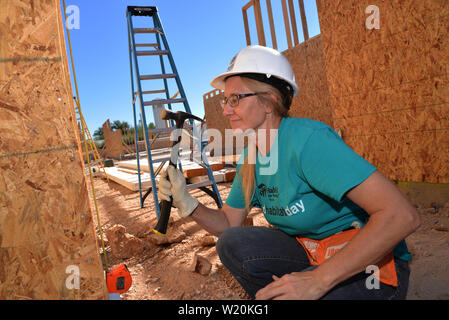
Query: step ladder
(159, 49)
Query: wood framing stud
(259, 23)
(287, 24)
(303, 20)
(293, 21)
(245, 21)
(272, 30)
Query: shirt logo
(271, 193)
(295, 208)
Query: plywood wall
(113, 144)
(215, 118)
(313, 99)
(389, 87)
(46, 226)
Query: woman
(336, 218)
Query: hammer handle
(161, 227)
(165, 206)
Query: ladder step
(169, 129)
(151, 52)
(158, 76)
(147, 30)
(163, 101)
(155, 45)
(199, 184)
(141, 11)
(152, 91)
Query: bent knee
(228, 240)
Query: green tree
(98, 134)
(123, 125)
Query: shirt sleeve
(235, 198)
(330, 166)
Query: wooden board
(226, 159)
(46, 224)
(190, 169)
(222, 175)
(128, 178)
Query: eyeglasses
(233, 99)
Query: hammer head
(179, 117)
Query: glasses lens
(233, 100)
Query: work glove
(176, 188)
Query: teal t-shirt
(301, 183)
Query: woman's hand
(176, 187)
(305, 285)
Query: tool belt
(319, 251)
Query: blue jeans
(254, 254)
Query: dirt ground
(166, 271)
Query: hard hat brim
(219, 82)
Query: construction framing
(288, 20)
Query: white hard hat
(259, 60)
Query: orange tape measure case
(119, 279)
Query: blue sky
(203, 36)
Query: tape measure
(119, 279)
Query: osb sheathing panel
(389, 87)
(308, 64)
(418, 154)
(216, 120)
(214, 112)
(45, 218)
(113, 146)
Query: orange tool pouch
(319, 251)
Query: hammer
(179, 117)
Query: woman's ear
(269, 107)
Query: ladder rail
(172, 63)
(136, 133)
(209, 172)
(161, 59)
(158, 24)
(142, 113)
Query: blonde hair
(247, 170)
